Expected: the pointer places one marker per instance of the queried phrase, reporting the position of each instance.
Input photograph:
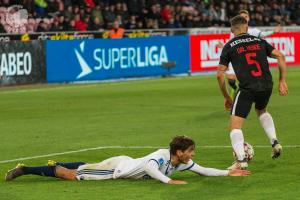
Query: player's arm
(283, 88)
(277, 29)
(223, 65)
(222, 85)
(152, 170)
(217, 172)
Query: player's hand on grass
(283, 88)
(238, 172)
(228, 104)
(177, 182)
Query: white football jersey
(135, 168)
(254, 31)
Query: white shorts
(100, 171)
(230, 70)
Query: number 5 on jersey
(251, 61)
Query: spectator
(188, 23)
(154, 13)
(125, 14)
(96, 25)
(71, 26)
(223, 12)
(69, 12)
(42, 27)
(55, 26)
(177, 21)
(132, 23)
(116, 31)
(152, 24)
(137, 14)
(97, 13)
(166, 13)
(231, 11)
(79, 24)
(266, 21)
(109, 15)
(63, 22)
(140, 25)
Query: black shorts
(244, 99)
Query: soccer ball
(249, 151)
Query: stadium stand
(84, 15)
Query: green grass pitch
(51, 119)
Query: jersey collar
(241, 34)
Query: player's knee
(260, 112)
(236, 122)
(65, 173)
(235, 126)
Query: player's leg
(68, 165)
(99, 171)
(239, 112)
(64, 173)
(266, 121)
(237, 137)
(50, 171)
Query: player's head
(245, 14)
(183, 148)
(239, 25)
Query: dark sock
(232, 83)
(42, 171)
(275, 143)
(71, 165)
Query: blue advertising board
(99, 59)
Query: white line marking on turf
(123, 147)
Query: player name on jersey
(244, 40)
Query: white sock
(237, 142)
(267, 123)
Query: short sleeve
(224, 58)
(269, 48)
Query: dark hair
(181, 142)
(244, 12)
(238, 20)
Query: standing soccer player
(230, 75)
(248, 55)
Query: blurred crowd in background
(88, 15)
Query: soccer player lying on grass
(158, 165)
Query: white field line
(121, 147)
(45, 88)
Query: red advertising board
(205, 54)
